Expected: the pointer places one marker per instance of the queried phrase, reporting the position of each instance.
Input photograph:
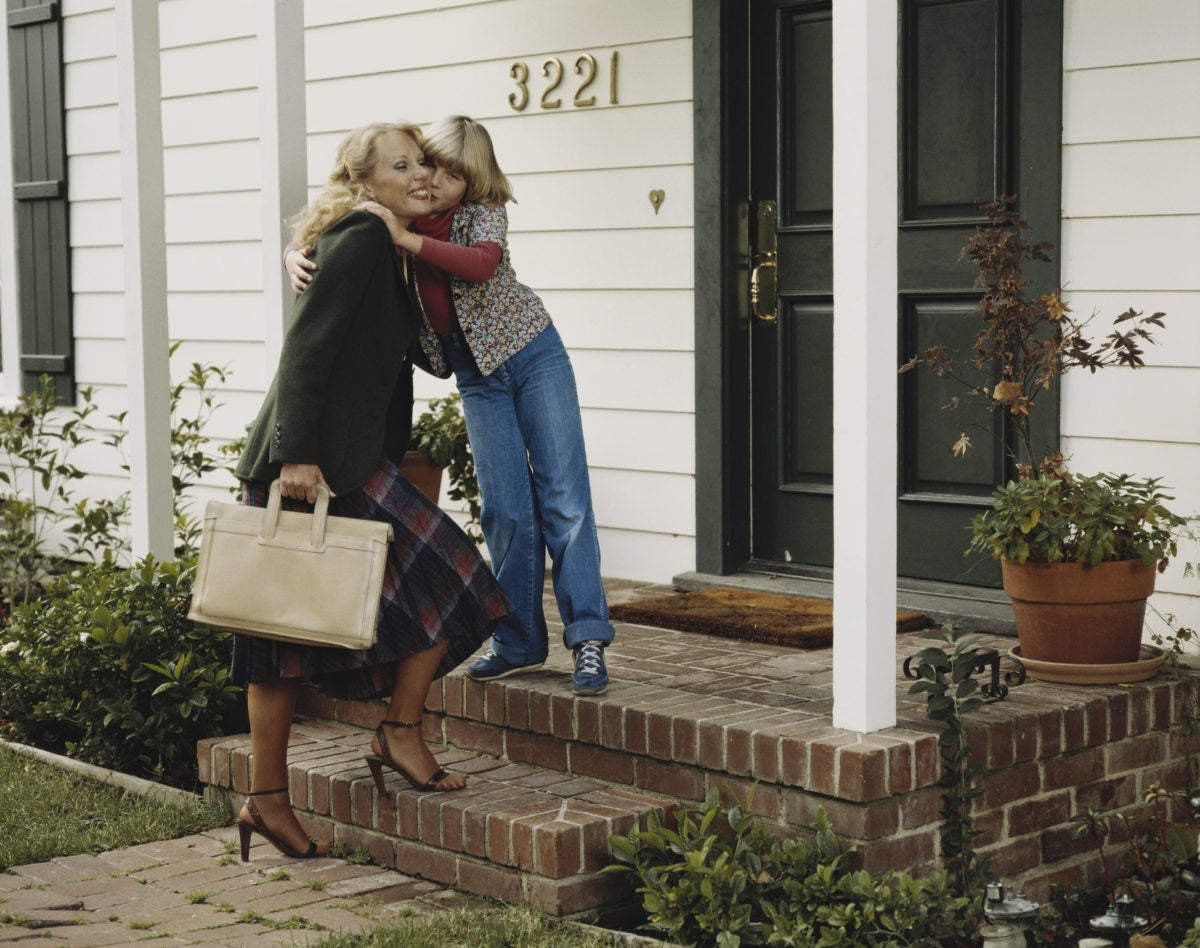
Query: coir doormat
(748, 615)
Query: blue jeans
(527, 441)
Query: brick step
(517, 832)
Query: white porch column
(10, 330)
(864, 364)
(284, 142)
(146, 333)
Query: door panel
(792, 358)
(970, 129)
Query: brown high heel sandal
(384, 758)
(258, 825)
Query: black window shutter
(40, 192)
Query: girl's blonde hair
(357, 158)
(463, 146)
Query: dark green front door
(979, 117)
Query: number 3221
(552, 71)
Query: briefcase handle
(320, 513)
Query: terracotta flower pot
(425, 475)
(1069, 612)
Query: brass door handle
(763, 287)
(764, 282)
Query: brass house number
(556, 82)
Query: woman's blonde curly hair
(357, 158)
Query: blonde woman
(338, 413)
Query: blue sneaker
(591, 677)
(491, 666)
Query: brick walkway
(196, 890)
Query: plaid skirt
(436, 588)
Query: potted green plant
(1079, 552)
(1060, 537)
(439, 443)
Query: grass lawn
(47, 812)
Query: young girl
(520, 403)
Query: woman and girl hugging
(403, 260)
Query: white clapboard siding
(634, 380)
(1131, 253)
(1100, 33)
(1142, 405)
(1177, 345)
(211, 168)
(482, 85)
(650, 319)
(1131, 238)
(1156, 177)
(526, 28)
(318, 12)
(615, 273)
(1132, 103)
(640, 440)
(638, 500)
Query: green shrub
(720, 879)
(107, 668)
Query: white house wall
(1131, 237)
(616, 275)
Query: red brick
(672, 780)
(534, 749)
(766, 756)
(598, 762)
(900, 767)
(1160, 696)
(793, 761)
(452, 694)
(510, 832)
(822, 762)
(1057, 845)
(714, 735)
(557, 849)
(635, 731)
(901, 853)
(339, 800)
(1074, 729)
(1107, 794)
(490, 881)
(379, 846)
(1096, 714)
(474, 736)
(920, 809)
(1073, 769)
(1140, 711)
(852, 820)
(1033, 816)
(1025, 739)
(1118, 716)
(763, 799)
(539, 712)
(1000, 744)
(581, 894)
(1138, 752)
(562, 716)
(1011, 859)
(587, 722)
(1015, 783)
(416, 860)
(1050, 738)
(516, 714)
(862, 772)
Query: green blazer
(342, 396)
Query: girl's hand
(299, 268)
(402, 237)
(300, 481)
